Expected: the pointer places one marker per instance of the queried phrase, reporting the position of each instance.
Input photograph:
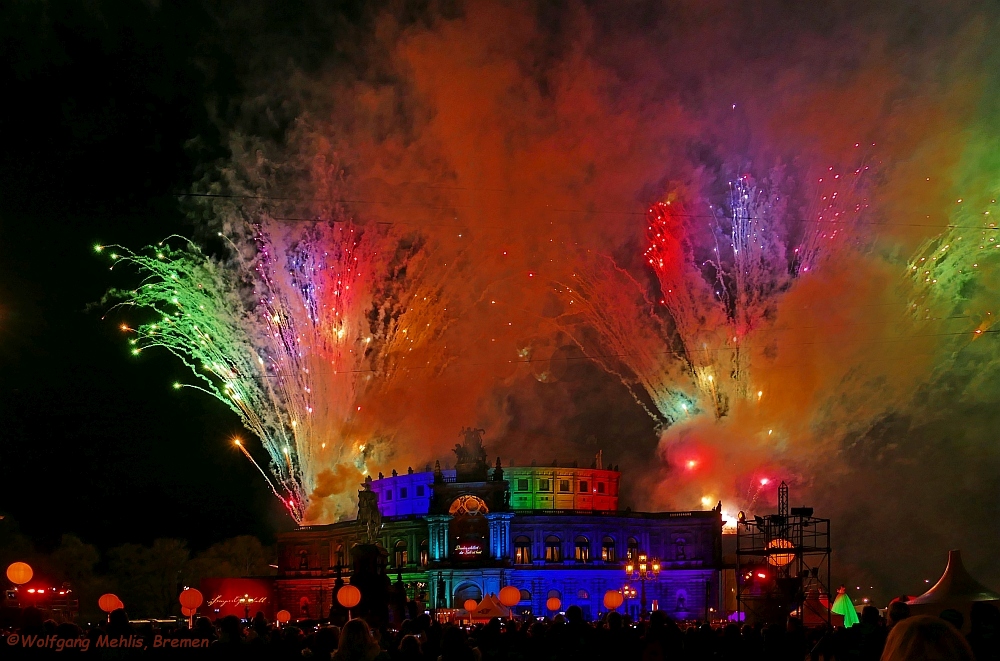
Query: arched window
(582, 594)
(425, 554)
(400, 555)
(553, 549)
(554, 593)
(582, 549)
(303, 560)
(608, 550)
(522, 551)
(525, 596)
(465, 592)
(633, 548)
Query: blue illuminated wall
(406, 494)
(531, 488)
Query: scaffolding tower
(783, 565)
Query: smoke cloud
(524, 142)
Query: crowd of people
(569, 637)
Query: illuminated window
(584, 486)
(582, 549)
(402, 492)
(553, 549)
(600, 487)
(522, 485)
(608, 550)
(400, 555)
(303, 560)
(563, 486)
(522, 551)
(633, 548)
(425, 555)
(545, 485)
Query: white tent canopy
(956, 589)
(489, 608)
(956, 585)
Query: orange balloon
(510, 596)
(470, 605)
(553, 603)
(283, 616)
(19, 573)
(187, 612)
(191, 598)
(349, 596)
(613, 599)
(109, 602)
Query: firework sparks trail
(292, 332)
(631, 349)
(834, 216)
(717, 305)
(948, 272)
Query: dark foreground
(567, 638)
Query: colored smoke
(525, 143)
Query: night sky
(527, 141)
(102, 100)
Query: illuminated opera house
(552, 531)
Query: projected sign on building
(469, 550)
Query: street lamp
(629, 593)
(642, 569)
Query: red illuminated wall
(232, 596)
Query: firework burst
(718, 295)
(293, 330)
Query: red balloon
(109, 602)
(191, 598)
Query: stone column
(437, 529)
(499, 523)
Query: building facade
(454, 535)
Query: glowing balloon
(613, 599)
(191, 598)
(470, 605)
(553, 604)
(109, 602)
(19, 573)
(510, 596)
(349, 596)
(283, 616)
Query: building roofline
(656, 516)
